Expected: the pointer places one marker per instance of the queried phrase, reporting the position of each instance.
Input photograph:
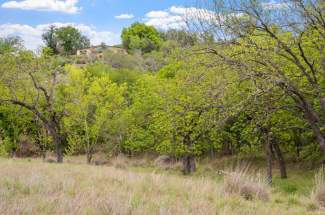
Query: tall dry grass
(246, 183)
(318, 194)
(33, 187)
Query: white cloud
(32, 35)
(124, 16)
(175, 17)
(178, 10)
(274, 5)
(157, 14)
(65, 6)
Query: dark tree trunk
(212, 153)
(280, 158)
(313, 119)
(53, 129)
(226, 148)
(268, 149)
(59, 150)
(189, 165)
(297, 142)
(320, 137)
(89, 157)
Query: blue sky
(100, 20)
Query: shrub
(3, 152)
(248, 186)
(26, 147)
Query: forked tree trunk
(189, 165)
(279, 156)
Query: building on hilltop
(97, 51)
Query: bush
(26, 147)
(3, 152)
(9, 146)
(249, 187)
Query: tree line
(248, 80)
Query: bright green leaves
(94, 106)
(141, 37)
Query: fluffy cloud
(157, 14)
(175, 17)
(124, 16)
(274, 5)
(32, 35)
(65, 6)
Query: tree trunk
(268, 148)
(313, 119)
(89, 157)
(53, 129)
(213, 153)
(59, 150)
(319, 136)
(298, 143)
(189, 165)
(226, 148)
(279, 156)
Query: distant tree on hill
(10, 44)
(50, 39)
(142, 37)
(65, 40)
(182, 37)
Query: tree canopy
(140, 37)
(65, 40)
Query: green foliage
(47, 52)
(93, 106)
(123, 60)
(3, 151)
(182, 37)
(141, 37)
(176, 92)
(51, 40)
(10, 44)
(64, 40)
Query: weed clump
(250, 187)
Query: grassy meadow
(31, 186)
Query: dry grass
(318, 195)
(34, 187)
(246, 184)
(165, 162)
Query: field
(36, 187)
